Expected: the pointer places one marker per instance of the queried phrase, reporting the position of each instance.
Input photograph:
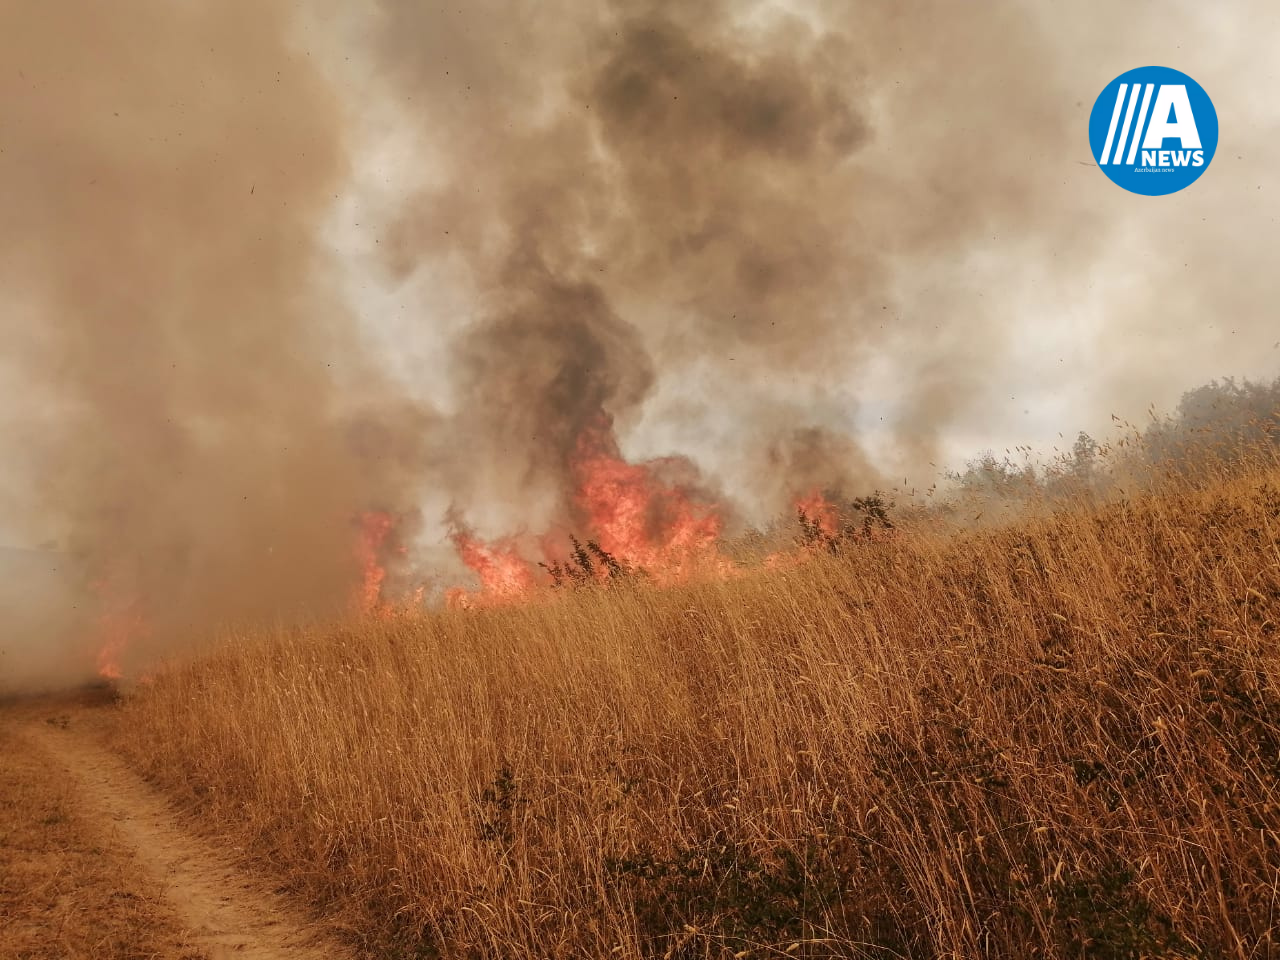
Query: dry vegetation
(68, 891)
(1058, 738)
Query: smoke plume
(739, 197)
(769, 213)
(762, 248)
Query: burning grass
(1058, 739)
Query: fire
(818, 509)
(504, 574)
(823, 521)
(376, 545)
(636, 516)
(119, 624)
(108, 659)
(631, 511)
(375, 528)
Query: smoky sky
(731, 192)
(268, 266)
(775, 215)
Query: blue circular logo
(1153, 131)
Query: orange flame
(638, 517)
(376, 543)
(628, 509)
(119, 624)
(504, 574)
(819, 510)
(375, 528)
(816, 509)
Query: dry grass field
(1058, 737)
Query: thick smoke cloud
(734, 192)
(778, 197)
(178, 367)
(796, 243)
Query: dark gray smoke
(775, 198)
(732, 193)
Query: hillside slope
(1058, 738)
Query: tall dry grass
(1059, 738)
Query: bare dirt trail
(225, 913)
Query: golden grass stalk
(1059, 738)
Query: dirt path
(226, 914)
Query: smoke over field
(310, 309)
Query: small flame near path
(121, 622)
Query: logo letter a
(1172, 97)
